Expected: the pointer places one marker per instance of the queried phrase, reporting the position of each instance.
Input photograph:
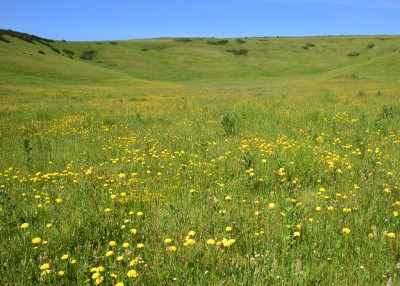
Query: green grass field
(178, 162)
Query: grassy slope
(131, 62)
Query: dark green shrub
(239, 52)
(218, 42)
(240, 41)
(229, 121)
(183, 40)
(88, 55)
(3, 39)
(113, 43)
(370, 46)
(41, 52)
(353, 54)
(68, 52)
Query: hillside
(36, 61)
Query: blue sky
(89, 20)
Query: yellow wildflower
(24, 225)
(36, 240)
(172, 248)
(45, 266)
(345, 230)
(210, 241)
(132, 274)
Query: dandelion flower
(191, 233)
(227, 198)
(49, 225)
(59, 200)
(139, 214)
(112, 243)
(24, 225)
(119, 284)
(64, 257)
(132, 274)
(60, 273)
(99, 280)
(45, 266)
(345, 230)
(296, 234)
(168, 240)
(140, 245)
(125, 245)
(134, 262)
(271, 205)
(228, 242)
(210, 241)
(109, 253)
(133, 231)
(189, 242)
(36, 240)
(395, 213)
(45, 272)
(172, 248)
(228, 228)
(120, 258)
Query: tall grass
(299, 194)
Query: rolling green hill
(35, 61)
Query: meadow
(180, 162)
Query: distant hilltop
(22, 36)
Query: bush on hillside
(240, 41)
(88, 55)
(370, 46)
(183, 40)
(308, 45)
(353, 54)
(239, 52)
(68, 52)
(218, 42)
(2, 39)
